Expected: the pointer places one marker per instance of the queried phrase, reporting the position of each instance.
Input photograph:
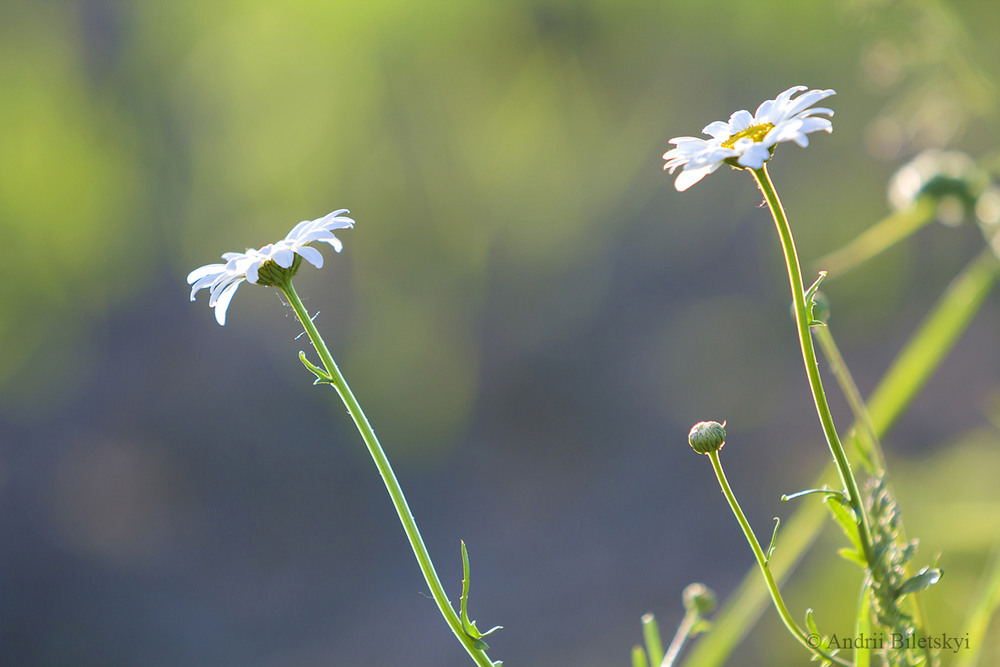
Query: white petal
(335, 220)
(334, 242)
(202, 283)
(717, 129)
(311, 255)
(689, 177)
(252, 272)
(222, 303)
(283, 257)
(298, 229)
(203, 271)
(755, 156)
(740, 121)
(806, 100)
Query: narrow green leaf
(934, 339)
(824, 490)
(852, 556)
(639, 657)
(928, 576)
(469, 626)
(811, 623)
(981, 613)
(863, 628)
(844, 516)
(651, 636)
(774, 539)
(321, 375)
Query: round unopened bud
(952, 179)
(699, 599)
(707, 437)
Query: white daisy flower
(222, 280)
(748, 140)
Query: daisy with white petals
(222, 280)
(748, 141)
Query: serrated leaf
(811, 303)
(844, 516)
(774, 538)
(926, 577)
(810, 623)
(469, 626)
(321, 375)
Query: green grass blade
(652, 638)
(880, 237)
(933, 340)
(980, 614)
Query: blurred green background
(531, 315)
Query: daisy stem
(812, 365)
(811, 642)
(336, 378)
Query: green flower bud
(707, 437)
(951, 179)
(699, 599)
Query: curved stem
(772, 586)
(811, 364)
(391, 484)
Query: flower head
(222, 280)
(748, 141)
(707, 437)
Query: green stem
(811, 364)
(391, 484)
(870, 447)
(758, 552)
(681, 636)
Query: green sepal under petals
(270, 274)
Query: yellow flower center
(756, 133)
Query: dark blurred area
(530, 314)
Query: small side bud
(951, 179)
(699, 599)
(707, 437)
